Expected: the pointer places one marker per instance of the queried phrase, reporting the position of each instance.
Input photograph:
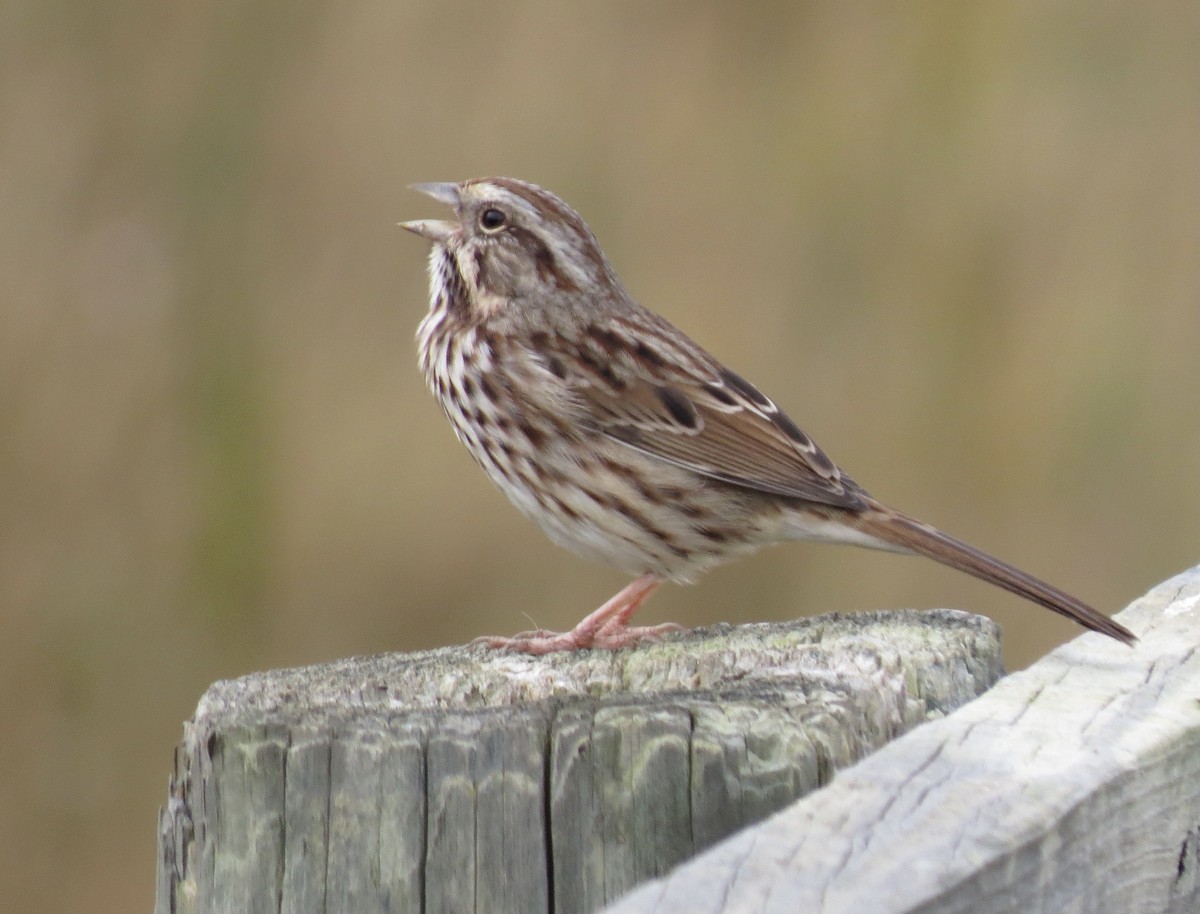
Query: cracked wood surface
(1072, 786)
(464, 780)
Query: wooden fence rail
(1072, 786)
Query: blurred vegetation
(959, 243)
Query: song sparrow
(616, 434)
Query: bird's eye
(492, 220)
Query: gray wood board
(1072, 786)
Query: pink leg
(605, 628)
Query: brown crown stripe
(562, 215)
(536, 197)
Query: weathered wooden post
(463, 780)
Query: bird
(617, 434)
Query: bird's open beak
(436, 230)
(442, 191)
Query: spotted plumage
(616, 434)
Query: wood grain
(1072, 786)
(464, 780)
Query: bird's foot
(543, 641)
(604, 629)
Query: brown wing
(681, 406)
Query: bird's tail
(911, 535)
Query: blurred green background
(959, 243)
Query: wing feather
(685, 408)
